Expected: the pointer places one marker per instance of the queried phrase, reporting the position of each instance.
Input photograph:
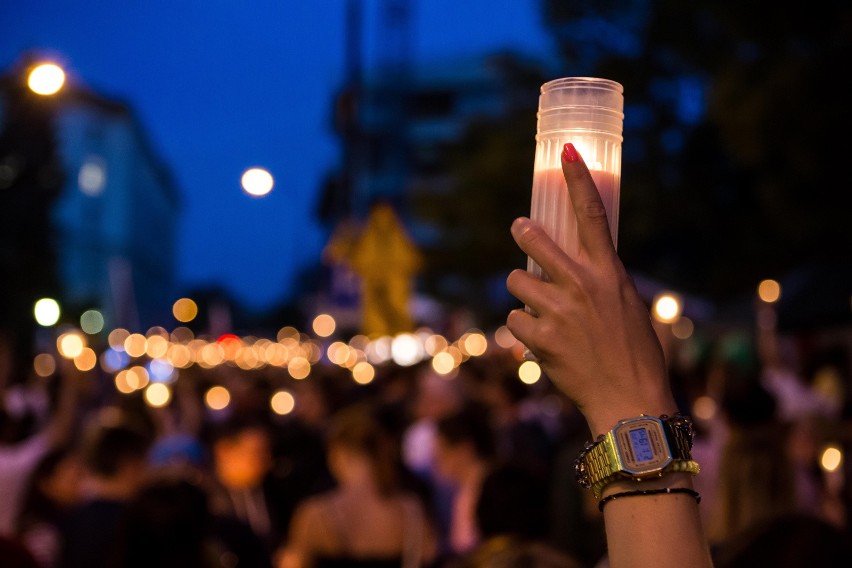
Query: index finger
(592, 223)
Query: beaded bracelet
(640, 492)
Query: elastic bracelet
(640, 492)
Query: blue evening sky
(222, 85)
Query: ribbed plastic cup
(589, 113)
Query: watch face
(642, 445)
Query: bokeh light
(86, 360)
(217, 398)
(257, 182)
(831, 458)
(475, 343)
(92, 322)
(363, 373)
(529, 372)
(46, 312)
(92, 176)
(324, 325)
(46, 79)
(299, 368)
(704, 407)
(44, 364)
(667, 307)
(185, 310)
(443, 363)
(406, 350)
(683, 328)
(70, 344)
(282, 403)
(504, 338)
(769, 291)
(157, 395)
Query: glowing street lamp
(257, 182)
(46, 79)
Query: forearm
(655, 531)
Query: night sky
(223, 85)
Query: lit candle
(588, 113)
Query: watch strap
(598, 464)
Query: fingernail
(521, 225)
(569, 153)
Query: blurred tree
(731, 115)
(491, 167)
(31, 179)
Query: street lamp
(46, 79)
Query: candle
(587, 112)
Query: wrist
(602, 420)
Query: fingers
(535, 242)
(592, 224)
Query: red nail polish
(569, 153)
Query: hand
(590, 330)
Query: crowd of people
(417, 469)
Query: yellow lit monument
(386, 260)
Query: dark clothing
(89, 534)
(345, 562)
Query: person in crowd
(368, 520)
(519, 438)
(300, 469)
(241, 451)
(115, 461)
(591, 333)
(53, 488)
(169, 524)
(508, 551)
(21, 449)
(465, 455)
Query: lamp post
(45, 78)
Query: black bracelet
(668, 490)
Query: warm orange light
(299, 367)
(529, 372)
(157, 395)
(217, 398)
(86, 360)
(282, 402)
(324, 325)
(135, 345)
(475, 344)
(185, 310)
(504, 338)
(363, 373)
(70, 344)
(46, 79)
(667, 307)
(769, 291)
(443, 363)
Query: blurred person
(787, 541)
(53, 488)
(169, 524)
(241, 450)
(299, 468)
(513, 501)
(15, 554)
(436, 396)
(115, 461)
(465, 454)
(21, 449)
(756, 478)
(369, 519)
(509, 551)
(518, 438)
(590, 331)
